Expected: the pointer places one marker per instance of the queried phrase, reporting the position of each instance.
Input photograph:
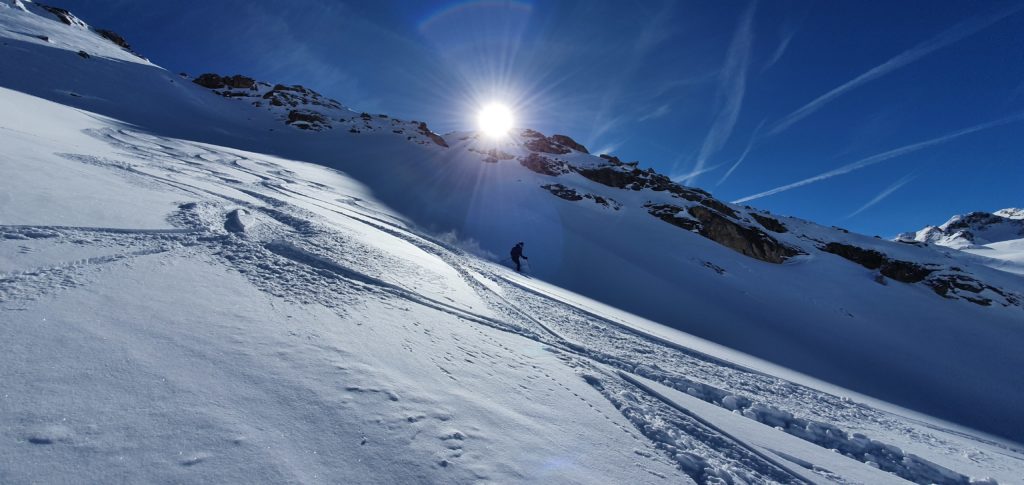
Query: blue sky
(875, 116)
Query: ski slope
(183, 300)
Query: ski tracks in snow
(303, 242)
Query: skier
(517, 252)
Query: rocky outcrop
(216, 81)
(537, 142)
(434, 137)
(955, 284)
(671, 214)
(555, 144)
(562, 192)
(63, 15)
(117, 39)
(545, 165)
(905, 271)
(742, 239)
(719, 228)
(950, 283)
(627, 176)
(571, 194)
(308, 120)
(567, 142)
(769, 223)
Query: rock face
(562, 191)
(769, 223)
(63, 15)
(216, 81)
(555, 144)
(434, 137)
(307, 120)
(565, 141)
(117, 39)
(905, 271)
(717, 227)
(571, 194)
(545, 165)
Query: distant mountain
(327, 263)
(972, 229)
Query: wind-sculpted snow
(305, 243)
(179, 305)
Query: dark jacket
(517, 252)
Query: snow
(184, 298)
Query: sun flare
(495, 120)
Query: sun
(495, 120)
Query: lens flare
(495, 120)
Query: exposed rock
(769, 223)
(537, 142)
(672, 215)
(570, 194)
(744, 240)
(114, 37)
(209, 81)
(63, 15)
(952, 286)
(307, 120)
(545, 165)
(567, 142)
(718, 206)
(611, 159)
(83, 54)
(216, 81)
(620, 175)
(562, 191)
(905, 271)
(430, 134)
(867, 258)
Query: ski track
(296, 255)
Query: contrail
(743, 156)
(734, 86)
(885, 193)
(881, 157)
(953, 34)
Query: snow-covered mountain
(973, 229)
(214, 278)
(997, 238)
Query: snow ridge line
(302, 256)
(858, 447)
(110, 230)
(637, 331)
(669, 402)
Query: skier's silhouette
(517, 252)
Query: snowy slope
(183, 302)
(997, 237)
(968, 231)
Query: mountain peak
(972, 229)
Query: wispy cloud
(885, 193)
(746, 151)
(787, 37)
(693, 173)
(881, 157)
(953, 34)
(609, 148)
(733, 87)
(657, 113)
